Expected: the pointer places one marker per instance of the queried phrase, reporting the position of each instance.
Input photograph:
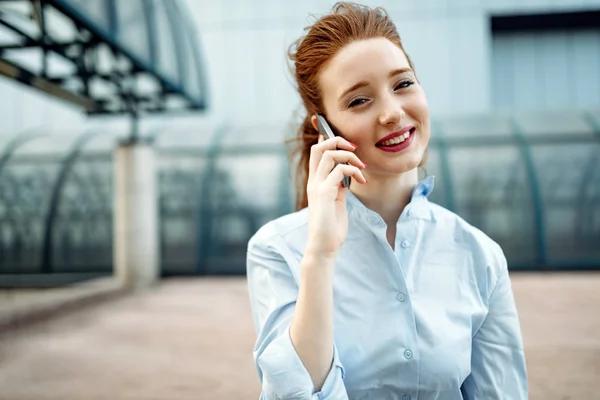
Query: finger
(337, 142)
(315, 157)
(340, 171)
(317, 150)
(331, 157)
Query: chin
(401, 164)
(412, 162)
(400, 169)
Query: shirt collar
(423, 188)
(418, 208)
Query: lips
(395, 135)
(398, 144)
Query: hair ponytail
(299, 148)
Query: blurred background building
(513, 88)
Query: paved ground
(193, 338)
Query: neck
(387, 195)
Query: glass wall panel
(243, 195)
(547, 125)
(167, 57)
(255, 136)
(219, 184)
(492, 192)
(479, 127)
(53, 146)
(26, 184)
(434, 167)
(180, 190)
(194, 138)
(132, 27)
(570, 184)
(82, 228)
(95, 10)
(192, 83)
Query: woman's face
(369, 93)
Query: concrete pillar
(136, 246)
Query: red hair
(347, 22)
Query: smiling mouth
(397, 140)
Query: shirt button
(406, 397)
(405, 244)
(401, 297)
(407, 354)
(410, 213)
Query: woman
(372, 291)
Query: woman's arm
(276, 299)
(311, 330)
(305, 349)
(498, 369)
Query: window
(546, 61)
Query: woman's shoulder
(471, 247)
(466, 234)
(289, 228)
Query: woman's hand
(327, 214)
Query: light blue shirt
(433, 319)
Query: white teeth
(396, 140)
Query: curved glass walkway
(530, 181)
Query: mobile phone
(327, 132)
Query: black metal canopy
(106, 56)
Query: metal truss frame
(82, 53)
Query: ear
(315, 125)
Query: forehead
(361, 60)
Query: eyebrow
(361, 84)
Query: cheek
(354, 129)
(419, 112)
(420, 107)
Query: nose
(392, 111)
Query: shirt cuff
(333, 387)
(284, 375)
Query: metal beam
(22, 75)
(111, 39)
(90, 36)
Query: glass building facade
(530, 181)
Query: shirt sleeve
(498, 368)
(273, 292)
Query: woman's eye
(404, 84)
(357, 102)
